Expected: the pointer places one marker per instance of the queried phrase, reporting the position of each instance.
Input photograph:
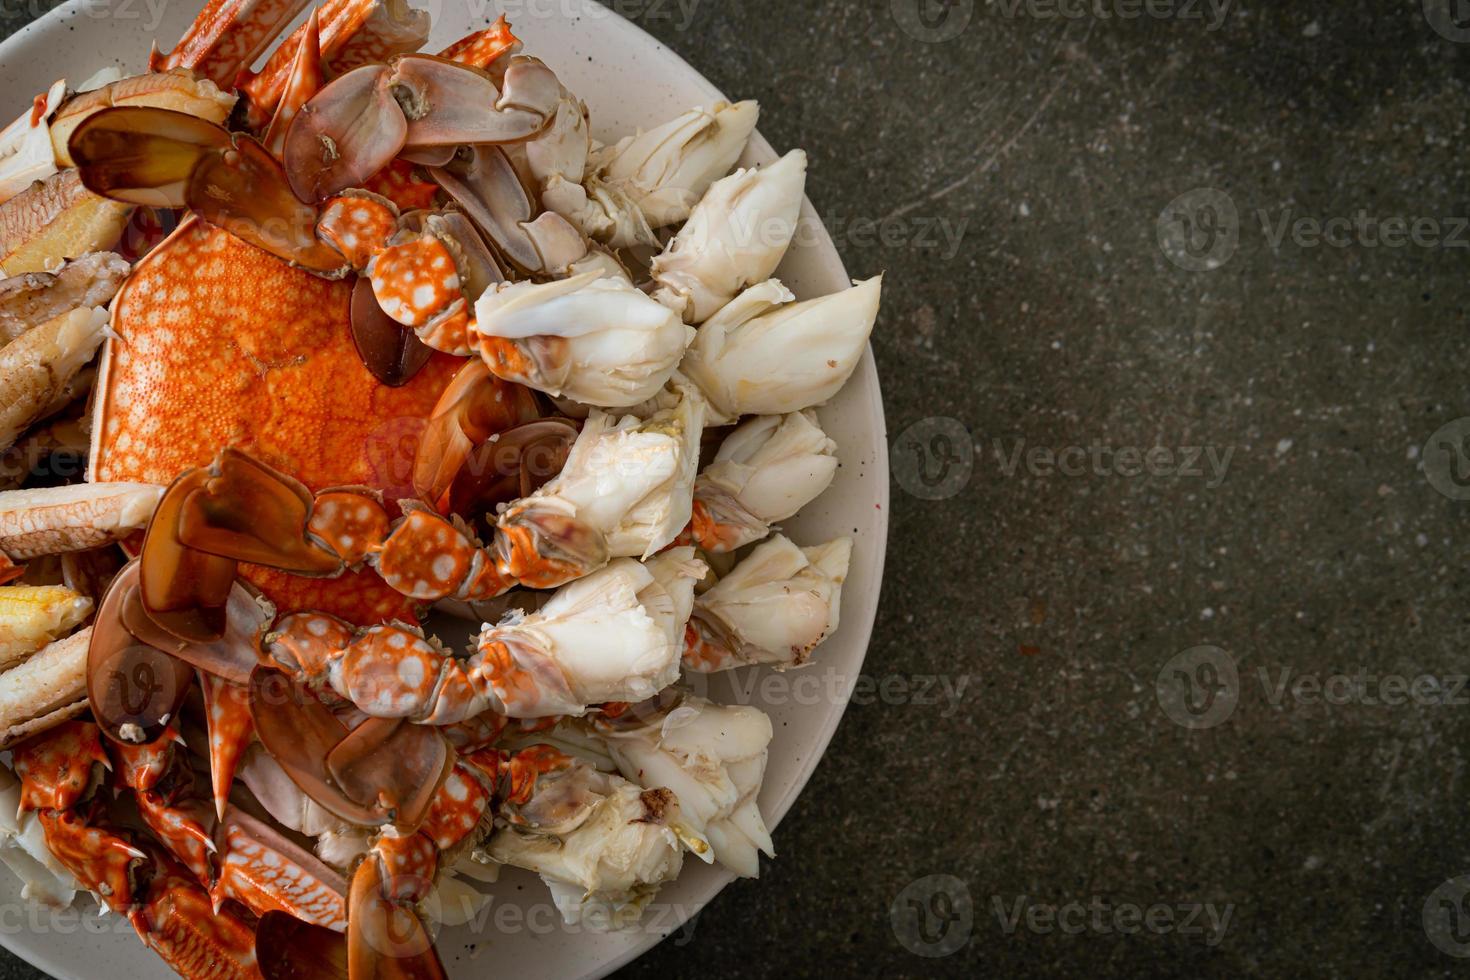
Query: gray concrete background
(1081, 307)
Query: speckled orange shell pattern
(220, 344)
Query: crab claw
(773, 608)
(444, 101)
(231, 729)
(56, 769)
(474, 408)
(392, 354)
(245, 192)
(194, 939)
(596, 340)
(735, 236)
(184, 591)
(386, 938)
(346, 133)
(134, 688)
(288, 949)
(101, 860)
(249, 512)
(144, 155)
(765, 471)
(763, 353)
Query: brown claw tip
(134, 688)
(245, 192)
(184, 591)
(247, 511)
(142, 154)
(288, 949)
(384, 939)
(390, 352)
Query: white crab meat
(40, 369)
(598, 211)
(26, 154)
(713, 758)
(764, 354)
(32, 616)
(665, 171)
(773, 608)
(32, 298)
(770, 467)
(592, 338)
(628, 481)
(735, 236)
(56, 520)
(614, 635)
(606, 849)
(23, 850)
(45, 690)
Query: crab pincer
(358, 123)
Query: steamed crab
(413, 339)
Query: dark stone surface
(1052, 146)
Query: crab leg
(169, 910)
(305, 77)
(227, 37)
(31, 299)
(194, 939)
(353, 33)
(231, 729)
(39, 371)
(58, 520)
(240, 510)
(56, 219)
(483, 48)
(544, 664)
(264, 871)
(424, 275)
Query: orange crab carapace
(220, 344)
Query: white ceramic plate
(628, 80)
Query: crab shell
(217, 343)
